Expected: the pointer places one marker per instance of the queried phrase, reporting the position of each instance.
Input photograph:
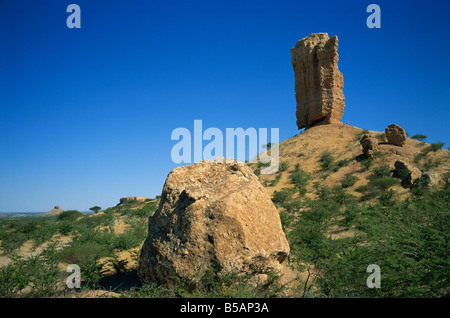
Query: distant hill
(55, 211)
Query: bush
(419, 137)
(300, 179)
(367, 163)
(382, 171)
(349, 180)
(342, 163)
(326, 160)
(292, 206)
(283, 166)
(69, 215)
(78, 252)
(283, 195)
(382, 183)
(147, 210)
(39, 273)
(433, 147)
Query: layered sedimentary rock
(212, 215)
(318, 81)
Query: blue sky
(86, 114)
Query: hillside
(342, 143)
(340, 211)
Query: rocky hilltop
(55, 211)
(318, 81)
(135, 199)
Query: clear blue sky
(86, 114)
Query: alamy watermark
(74, 279)
(242, 145)
(374, 279)
(374, 19)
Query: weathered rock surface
(318, 81)
(369, 145)
(434, 178)
(137, 199)
(406, 172)
(395, 135)
(212, 215)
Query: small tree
(95, 209)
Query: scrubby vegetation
(91, 238)
(337, 225)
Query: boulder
(395, 135)
(369, 145)
(407, 173)
(318, 81)
(212, 215)
(434, 178)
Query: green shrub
(92, 271)
(69, 215)
(13, 278)
(78, 251)
(39, 273)
(300, 179)
(147, 210)
(367, 163)
(326, 160)
(274, 182)
(351, 213)
(292, 206)
(342, 163)
(419, 137)
(349, 180)
(283, 166)
(382, 171)
(430, 164)
(282, 195)
(388, 198)
(382, 183)
(433, 147)
(340, 196)
(65, 228)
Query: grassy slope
(342, 142)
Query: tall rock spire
(318, 81)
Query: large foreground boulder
(212, 215)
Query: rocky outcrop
(407, 173)
(318, 81)
(369, 145)
(55, 211)
(435, 179)
(212, 215)
(137, 199)
(395, 135)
